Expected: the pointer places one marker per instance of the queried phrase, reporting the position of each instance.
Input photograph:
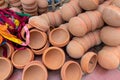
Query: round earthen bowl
(60, 41)
(8, 48)
(69, 69)
(37, 39)
(89, 62)
(108, 60)
(74, 49)
(77, 27)
(35, 71)
(53, 58)
(6, 68)
(89, 4)
(26, 56)
(111, 15)
(67, 12)
(110, 36)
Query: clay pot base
(6, 68)
(35, 71)
(69, 69)
(20, 58)
(53, 58)
(60, 41)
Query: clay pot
(26, 56)
(35, 71)
(38, 23)
(64, 26)
(40, 51)
(89, 4)
(67, 12)
(53, 58)
(42, 3)
(88, 62)
(6, 68)
(110, 36)
(101, 1)
(37, 39)
(77, 27)
(15, 9)
(45, 17)
(116, 3)
(108, 60)
(69, 69)
(111, 15)
(9, 48)
(60, 41)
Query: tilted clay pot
(116, 3)
(67, 12)
(20, 58)
(107, 59)
(69, 69)
(88, 62)
(110, 36)
(111, 15)
(53, 58)
(37, 39)
(60, 41)
(35, 71)
(89, 4)
(6, 68)
(8, 48)
(77, 26)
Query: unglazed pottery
(53, 58)
(8, 48)
(42, 3)
(35, 71)
(69, 69)
(88, 62)
(6, 68)
(116, 3)
(60, 41)
(110, 35)
(107, 59)
(111, 15)
(20, 58)
(64, 26)
(89, 4)
(15, 9)
(37, 39)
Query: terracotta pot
(110, 36)
(69, 69)
(15, 9)
(64, 26)
(26, 56)
(53, 58)
(89, 4)
(108, 60)
(60, 41)
(67, 12)
(37, 39)
(9, 48)
(101, 1)
(6, 68)
(115, 15)
(35, 71)
(45, 17)
(88, 62)
(38, 23)
(40, 51)
(42, 3)
(80, 29)
(116, 3)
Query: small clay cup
(6, 68)
(37, 39)
(69, 69)
(35, 71)
(26, 56)
(88, 62)
(53, 58)
(9, 48)
(60, 41)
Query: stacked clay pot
(70, 10)
(42, 6)
(85, 22)
(30, 7)
(15, 3)
(3, 4)
(79, 45)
